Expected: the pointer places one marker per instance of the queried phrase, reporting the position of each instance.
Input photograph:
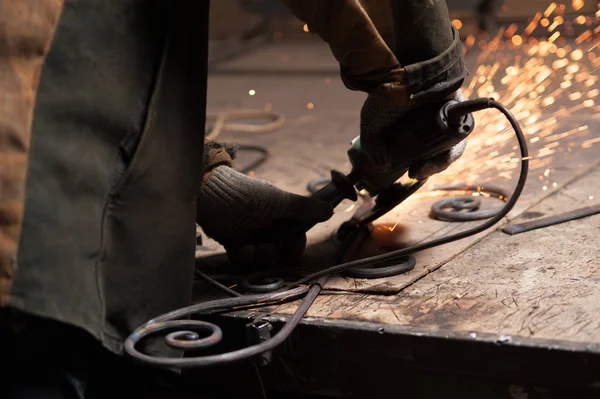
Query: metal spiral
(188, 335)
(383, 269)
(451, 209)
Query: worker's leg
(112, 376)
(52, 360)
(48, 383)
(44, 359)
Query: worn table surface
(544, 283)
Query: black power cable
(188, 339)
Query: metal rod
(513, 229)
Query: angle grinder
(423, 134)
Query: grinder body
(422, 134)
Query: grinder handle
(339, 188)
(333, 193)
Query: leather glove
(378, 117)
(251, 217)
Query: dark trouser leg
(113, 377)
(47, 383)
(43, 359)
(51, 360)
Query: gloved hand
(251, 217)
(378, 117)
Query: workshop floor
(541, 284)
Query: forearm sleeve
(405, 51)
(367, 62)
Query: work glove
(378, 117)
(253, 219)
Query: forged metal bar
(513, 229)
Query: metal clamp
(257, 332)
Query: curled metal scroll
(269, 280)
(190, 335)
(265, 284)
(466, 208)
(381, 270)
(186, 334)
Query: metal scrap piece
(450, 209)
(513, 229)
(385, 269)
